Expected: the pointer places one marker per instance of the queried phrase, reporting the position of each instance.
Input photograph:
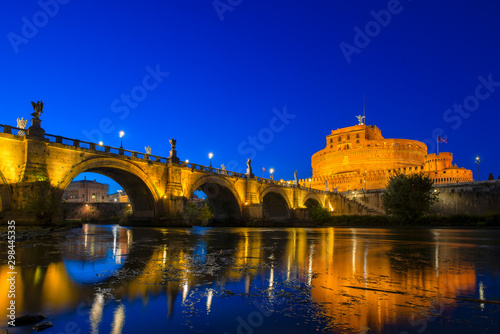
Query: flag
(442, 140)
(263, 169)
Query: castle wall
(474, 198)
(360, 158)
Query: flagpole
(437, 143)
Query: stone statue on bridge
(148, 150)
(296, 181)
(223, 167)
(326, 186)
(38, 108)
(21, 124)
(249, 168)
(173, 152)
(173, 142)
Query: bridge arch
(312, 200)
(221, 193)
(136, 183)
(276, 203)
(5, 194)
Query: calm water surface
(111, 279)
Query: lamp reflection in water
(210, 295)
(118, 320)
(96, 312)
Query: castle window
(348, 137)
(331, 140)
(340, 138)
(331, 146)
(357, 135)
(357, 141)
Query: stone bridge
(157, 186)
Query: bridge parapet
(158, 186)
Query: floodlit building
(360, 158)
(86, 191)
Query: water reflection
(114, 279)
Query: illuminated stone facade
(86, 191)
(359, 157)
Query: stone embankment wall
(474, 198)
(96, 210)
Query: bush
(409, 196)
(320, 215)
(44, 202)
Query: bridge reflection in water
(110, 278)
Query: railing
(102, 148)
(12, 130)
(143, 156)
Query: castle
(360, 158)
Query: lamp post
(478, 161)
(310, 180)
(271, 171)
(210, 155)
(122, 133)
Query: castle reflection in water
(356, 279)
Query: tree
(409, 196)
(320, 215)
(206, 213)
(43, 202)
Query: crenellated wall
(360, 158)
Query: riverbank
(26, 232)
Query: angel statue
(148, 150)
(21, 123)
(223, 167)
(360, 119)
(173, 142)
(38, 108)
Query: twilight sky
(261, 79)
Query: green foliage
(409, 196)
(206, 213)
(320, 215)
(43, 201)
(192, 211)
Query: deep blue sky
(226, 76)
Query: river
(112, 279)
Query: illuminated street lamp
(271, 171)
(101, 143)
(310, 183)
(210, 155)
(478, 161)
(122, 133)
